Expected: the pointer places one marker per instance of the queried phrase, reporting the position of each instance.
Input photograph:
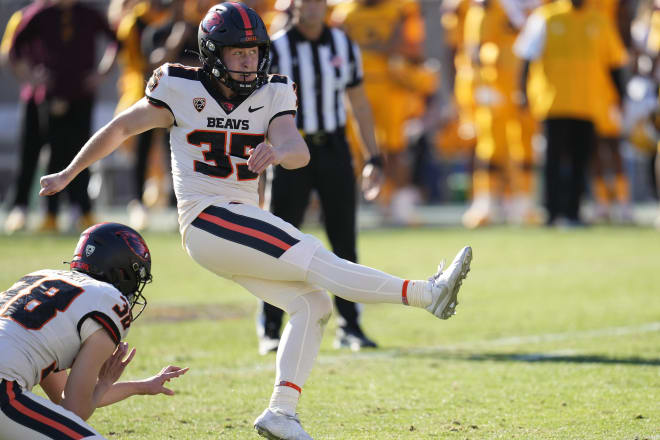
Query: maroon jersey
(63, 41)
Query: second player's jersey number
(219, 147)
(33, 301)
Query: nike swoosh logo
(252, 110)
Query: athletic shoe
(353, 338)
(447, 283)
(277, 425)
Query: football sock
(363, 284)
(301, 339)
(416, 293)
(309, 312)
(285, 398)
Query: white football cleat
(277, 425)
(446, 284)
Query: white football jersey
(212, 134)
(46, 316)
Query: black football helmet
(233, 24)
(118, 255)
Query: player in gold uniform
(458, 133)
(504, 131)
(608, 123)
(131, 61)
(390, 34)
(565, 45)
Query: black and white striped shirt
(323, 70)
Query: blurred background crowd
(526, 112)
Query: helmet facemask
(136, 299)
(233, 25)
(217, 68)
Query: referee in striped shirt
(326, 66)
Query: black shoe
(353, 338)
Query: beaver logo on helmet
(211, 21)
(135, 243)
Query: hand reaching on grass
(113, 391)
(155, 385)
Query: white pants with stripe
(26, 416)
(286, 268)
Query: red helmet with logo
(233, 24)
(118, 255)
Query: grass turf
(557, 336)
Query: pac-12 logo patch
(89, 249)
(199, 104)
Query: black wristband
(376, 161)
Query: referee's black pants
(31, 144)
(330, 173)
(569, 146)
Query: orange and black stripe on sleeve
(160, 104)
(106, 322)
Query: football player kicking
(54, 320)
(229, 121)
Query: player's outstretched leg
(277, 425)
(364, 284)
(446, 284)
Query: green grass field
(557, 336)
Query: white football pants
(288, 269)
